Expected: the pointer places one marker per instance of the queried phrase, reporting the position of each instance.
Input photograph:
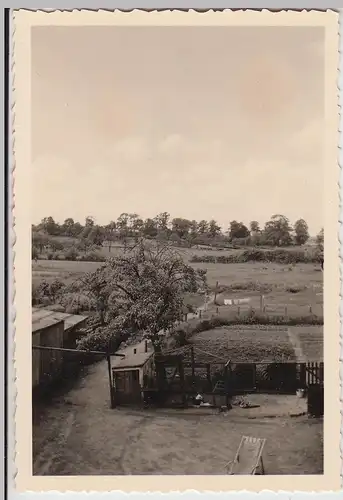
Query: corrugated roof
(47, 318)
(132, 359)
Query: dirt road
(80, 435)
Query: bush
(47, 293)
(34, 253)
(93, 257)
(71, 254)
(75, 302)
(279, 256)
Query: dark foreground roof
(44, 318)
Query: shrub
(181, 337)
(93, 257)
(76, 302)
(71, 254)
(279, 256)
(34, 253)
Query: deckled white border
(184, 21)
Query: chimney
(134, 351)
(146, 346)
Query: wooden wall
(47, 365)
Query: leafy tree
(77, 229)
(277, 231)
(320, 246)
(136, 226)
(238, 230)
(55, 245)
(39, 241)
(34, 253)
(123, 227)
(68, 227)
(149, 228)
(49, 226)
(144, 292)
(131, 223)
(110, 231)
(96, 235)
(193, 232)
(181, 227)
(254, 226)
(90, 221)
(162, 221)
(320, 240)
(213, 229)
(203, 227)
(301, 232)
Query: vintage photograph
(178, 219)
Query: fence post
(110, 380)
(261, 303)
(238, 311)
(193, 367)
(217, 310)
(226, 381)
(182, 383)
(310, 308)
(200, 313)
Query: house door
(127, 387)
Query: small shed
(55, 330)
(72, 322)
(46, 365)
(131, 373)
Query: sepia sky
(202, 122)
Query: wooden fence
(186, 377)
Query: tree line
(277, 232)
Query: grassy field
(80, 435)
(288, 290)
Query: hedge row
(280, 256)
(71, 254)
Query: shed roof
(43, 323)
(132, 359)
(43, 318)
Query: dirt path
(80, 435)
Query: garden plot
(242, 343)
(310, 342)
